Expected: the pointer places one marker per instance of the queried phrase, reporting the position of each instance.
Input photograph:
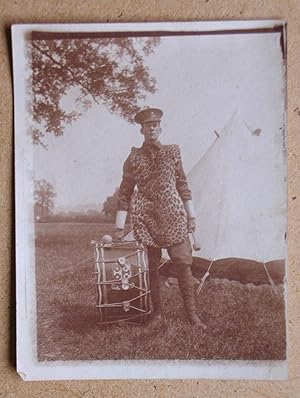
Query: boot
(154, 256)
(157, 318)
(186, 286)
(155, 289)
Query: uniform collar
(152, 146)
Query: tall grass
(243, 321)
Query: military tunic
(158, 216)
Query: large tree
(110, 205)
(109, 71)
(44, 195)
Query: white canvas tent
(239, 194)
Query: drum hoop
(113, 260)
(121, 303)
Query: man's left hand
(118, 234)
(191, 225)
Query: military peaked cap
(148, 115)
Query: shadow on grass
(78, 318)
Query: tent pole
(204, 277)
(269, 277)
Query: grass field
(244, 321)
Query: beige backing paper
(140, 11)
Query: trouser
(181, 258)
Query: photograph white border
(27, 365)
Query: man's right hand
(118, 234)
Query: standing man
(163, 213)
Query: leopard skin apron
(158, 217)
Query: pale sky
(201, 81)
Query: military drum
(122, 280)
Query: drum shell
(119, 301)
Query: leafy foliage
(44, 195)
(106, 71)
(110, 206)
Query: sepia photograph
(151, 200)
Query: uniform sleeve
(127, 186)
(182, 183)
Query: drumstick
(196, 244)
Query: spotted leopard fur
(158, 216)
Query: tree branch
(67, 69)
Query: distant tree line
(89, 216)
(44, 196)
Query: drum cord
(80, 262)
(91, 258)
